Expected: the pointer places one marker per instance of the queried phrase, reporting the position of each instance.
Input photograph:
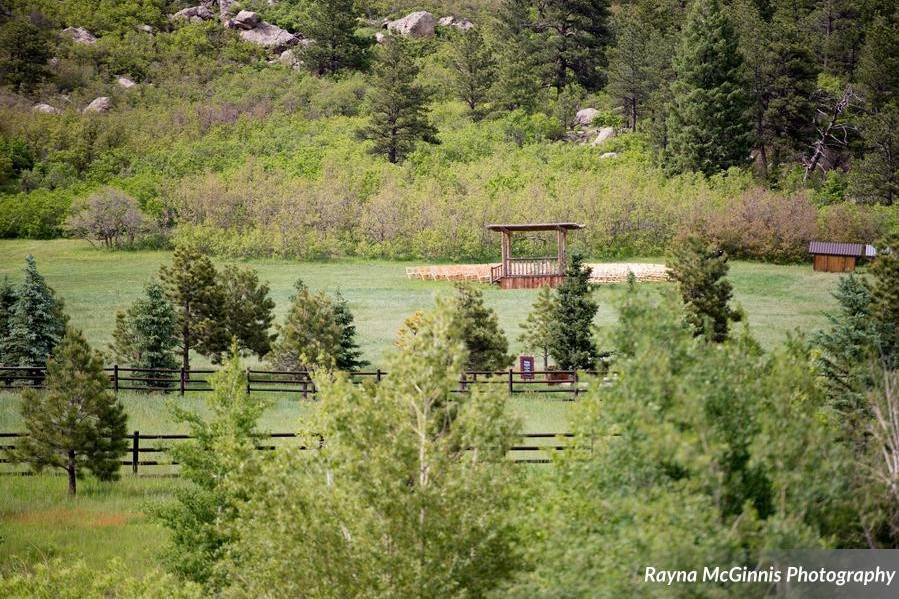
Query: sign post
(526, 366)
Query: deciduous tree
(536, 334)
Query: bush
(36, 215)
(850, 223)
(109, 216)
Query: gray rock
(45, 109)
(194, 14)
(289, 58)
(80, 35)
(453, 21)
(101, 104)
(225, 9)
(125, 82)
(416, 24)
(380, 37)
(270, 36)
(246, 19)
(605, 133)
(145, 28)
(609, 155)
(585, 116)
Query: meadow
(109, 520)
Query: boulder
(585, 116)
(145, 28)
(101, 104)
(446, 21)
(290, 59)
(269, 36)
(380, 37)
(605, 133)
(416, 24)
(225, 7)
(80, 35)
(45, 108)
(246, 19)
(125, 82)
(609, 155)
(452, 21)
(194, 14)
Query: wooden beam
(562, 249)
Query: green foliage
(247, 311)
(311, 335)
(884, 288)
(875, 178)
(76, 424)
(700, 270)
(707, 126)
(536, 330)
(24, 51)
(191, 284)
(348, 355)
(473, 68)
(572, 345)
(7, 303)
(487, 348)
(409, 495)
(222, 466)
(332, 24)
(36, 321)
(519, 72)
(146, 334)
(573, 38)
(398, 115)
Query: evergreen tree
(146, 334)
(7, 303)
(76, 424)
(708, 129)
(875, 178)
(37, 322)
(310, 335)
(332, 25)
(536, 334)
(349, 357)
(24, 52)
(191, 284)
(398, 113)
(519, 73)
(572, 345)
(878, 66)
(884, 288)
(247, 312)
(700, 270)
(574, 35)
(473, 69)
(486, 344)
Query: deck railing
(533, 267)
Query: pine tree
(878, 65)
(479, 328)
(37, 322)
(708, 129)
(76, 424)
(572, 345)
(24, 52)
(146, 334)
(247, 312)
(349, 357)
(398, 113)
(191, 284)
(332, 25)
(7, 303)
(473, 69)
(574, 36)
(884, 288)
(537, 329)
(519, 73)
(310, 335)
(875, 178)
(700, 270)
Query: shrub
(850, 223)
(36, 215)
(109, 216)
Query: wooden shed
(529, 273)
(828, 256)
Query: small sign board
(526, 366)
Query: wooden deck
(609, 272)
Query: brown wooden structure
(828, 256)
(529, 273)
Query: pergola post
(507, 252)
(561, 249)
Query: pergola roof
(536, 227)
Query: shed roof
(831, 248)
(535, 227)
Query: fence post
(135, 452)
(115, 377)
(248, 380)
(463, 382)
(378, 375)
(511, 390)
(576, 386)
(182, 380)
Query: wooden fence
(532, 448)
(181, 381)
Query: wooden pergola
(528, 273)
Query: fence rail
(527, 451)
(181, 381)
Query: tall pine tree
(36, 323)
(478, 325)
(473, 69)
(247, 311)
(708, 126)
(349, 357)
(536, 334)
(572, 345)
(519, 73)
(76, 424)
(574, 36)
(398, 112)
(332, 25)
(310, 335)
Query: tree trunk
(70, 468)
(185, 339)
(545, 359)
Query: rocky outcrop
(246, 19)
(585, 116)
(194, 14)
(45, 109)
(80, 35)
(101, 104)
(125, 82)
(453, 21)
(270, 37)
(225, 9)
(416, 24)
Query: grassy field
(37, 520)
